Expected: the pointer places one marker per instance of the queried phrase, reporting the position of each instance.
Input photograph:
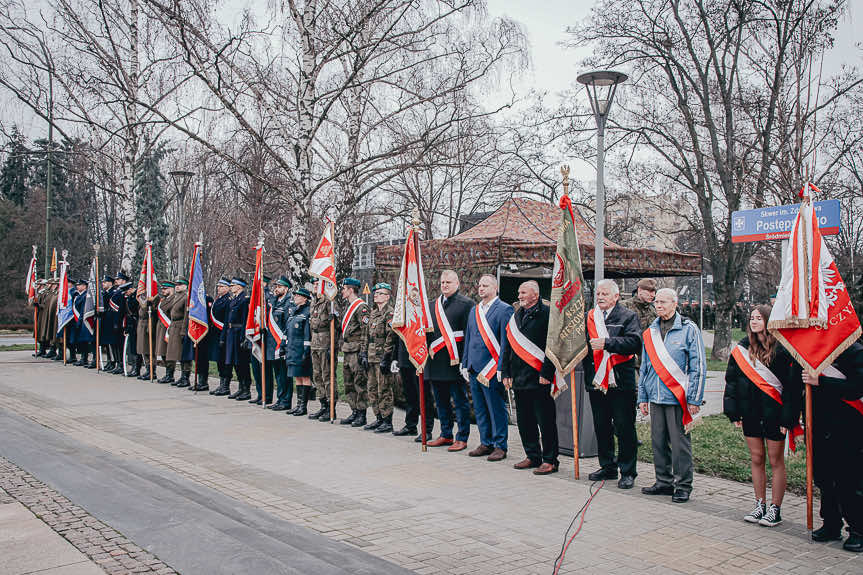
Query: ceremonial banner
(30, 280)
(197, 299)
(65, 309)
(148, 285)
(323, 264)
(54, 262)
(566, 344)
(91, 298)
(412, 315)
(254, 321)
(813, 316)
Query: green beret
(354, 282)
(382, 285)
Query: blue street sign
(775, 223)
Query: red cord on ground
(583, 513)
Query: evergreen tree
(13, 174)
(150, 190)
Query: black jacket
(533, 324)
(457, 307)
(624, 337)
(744, 400)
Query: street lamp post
(181, 180)
(601, 86)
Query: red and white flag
(813, 316)
(254, 321)
(412, 315)
(30, 281)
(323, 264)
(148, 285)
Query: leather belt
(242, 325)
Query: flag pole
(332, 362)
(809, 468)
(64, 344)
(420, 377)
(35, 307)
(97, 291)
(262, 305)
(564, 172)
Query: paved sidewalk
(430, 513)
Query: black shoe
(256, 401)
(386, 426)
(854, 543)
(50, 355)
(419, 438)
(325, 416)
(245, 392)
(144, 376)
(349, 419)
(324, 407)
(302, 401)
(626, 482)
(80, 363)
(236, 393)
(374, 424)
(406, 430)
(91, 365)
(117, 370)
(360, 420)
(825, 533)
(680, 496)
(657, 489)
(109, 366)
(223, 389)
(184, 380)
(601, 474)
(278, 407)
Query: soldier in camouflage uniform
(380, 378)
(642, 305)
(355, 340)
(319, 322)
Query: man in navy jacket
(486, 329)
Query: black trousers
(410, 384)
(536, 419)
(840, 481)
(614, 415)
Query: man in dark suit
(525, 369)
(446, 347)
(237, 348)
(218, 317)
(609, 375)
(486, 328)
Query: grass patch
(17, 347)
(715, 365)
(719, 449)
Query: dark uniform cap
(283, 281)
(107, 278)
(182, 282)
(266, 279)
(238, 281)
(223, 281)
(122, 276)
(354, 282)
(80, 281)
(382, 285)
(303, 292)
(166, 284)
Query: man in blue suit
(486, 329)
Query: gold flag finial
(564, 171)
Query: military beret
(223, 281)
(283, 281)
(238, 281)
(167, 284)
(182, 282)
(382, 285)
(354, 282)
(303, 292)
(107, 278)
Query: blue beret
(351, 282)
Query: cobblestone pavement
(113, 552)
(430, 513)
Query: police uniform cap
(80, 281)
(223, 281)
(238, 281)
(303, 292)
(167, 284)
(353, 282)
(283, 281)
(107, 278)
(182, 282)
(382, 285)
(122, 276)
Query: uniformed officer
(218, 317)
(255, 363)
(380, 378)
(108, 325)
(77, 341)
(130, 330)
(319, 321)
(117, 304)
(147, 322)
(179, 313)
(53, 340)
(200, 354)
(298, 349)
(160, 342)
(41, 319)
(280, 308)
(237, 347)
(355, 363)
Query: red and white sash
(113, 305)
(528, 351)
(668, 371)
(352, 309)
(491, 344)
(766, 381)
(603, 360)
(275, 330)
(448, 338)
(75, 313)
(164, 318)
(831, 371)
(220, 325)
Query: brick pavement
(431, 513)
(107, 548)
